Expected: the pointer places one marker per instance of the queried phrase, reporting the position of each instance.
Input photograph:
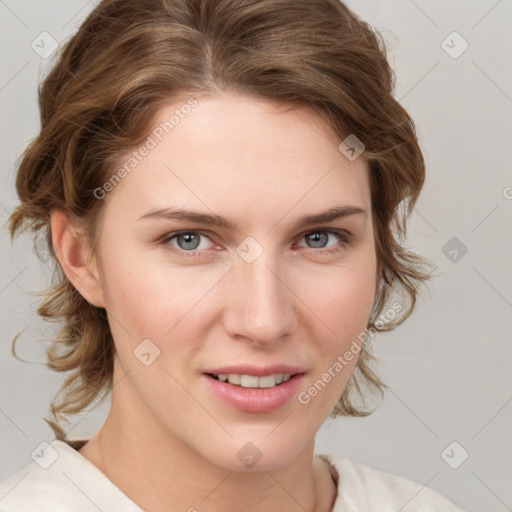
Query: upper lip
(247, 369)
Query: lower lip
(256, 399)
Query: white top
(62, 480)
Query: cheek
(342, 299)
(151, 299)
(343, 306)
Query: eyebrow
(330, 215)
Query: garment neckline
(77, 444)
(106, 492)
(335, 477)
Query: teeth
(248, 381)
(269, 381)
(252, 381)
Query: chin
(255, 453)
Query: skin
(168, 441)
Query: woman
(223, 185)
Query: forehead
(243, 156)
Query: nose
(261, 307)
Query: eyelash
(344, 236)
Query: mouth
(253, 381)
(255, 390)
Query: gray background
(449, 365)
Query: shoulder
(361, 487)
(60, 480)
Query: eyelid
(345, 239)
(336, 231)
(169, 236)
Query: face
(253, 287)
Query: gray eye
(318, 239)
(190, 241)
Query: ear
(75, 257)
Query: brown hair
(128, 59)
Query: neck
(158, 472)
